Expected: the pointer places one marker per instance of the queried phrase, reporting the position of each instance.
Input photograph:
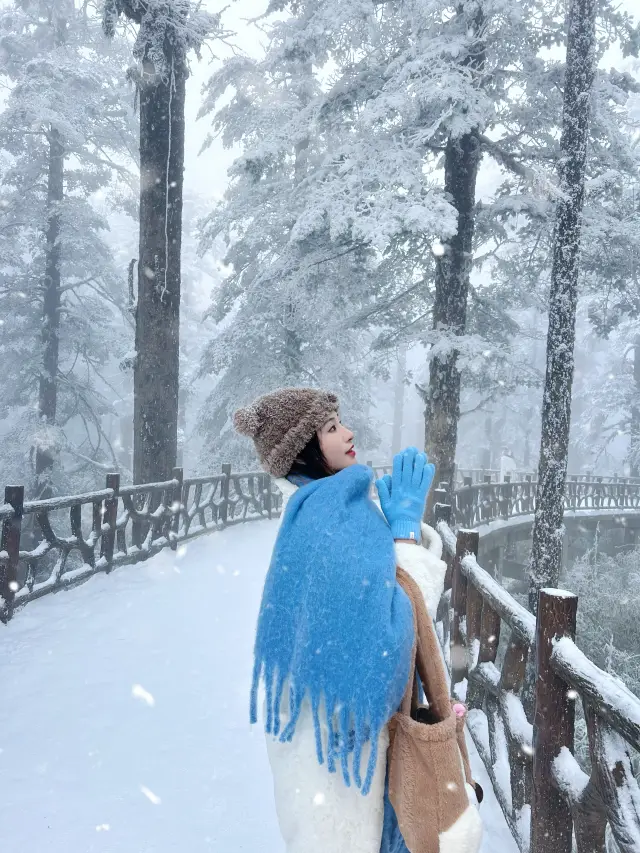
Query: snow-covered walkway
(124, 712)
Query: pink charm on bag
(460, 709)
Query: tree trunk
(634, 429)
(183, 391)
(546, 553)
(398, 400)
(183, 399)
(526, 462)
(125, 455)
(292, 340)
(48, 385)
(157, 363)
(453, 269)
(485, 461)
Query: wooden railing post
(268, 496)
(466, 543)
(440, 497)
(176, 506)
(530, 499)
(553, 725)
(505, 497)
(442, 512)
(110, 517)
(10, 543)
(224, 504)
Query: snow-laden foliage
(521, 261)
(166, 28)
(65, 84)
(200, 277)
(608, 629)
(342, 125)
(283, 310)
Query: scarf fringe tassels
(344, 738)
(334, 627)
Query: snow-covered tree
(167, 31)
(201, 277)
(515, 228)
(608, 627)
(282, 310)
(405, 95)
(546, 552)
(65, 132)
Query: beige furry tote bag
(428, 760)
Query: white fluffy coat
(316, 811)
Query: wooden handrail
(151, 516)
(60, 542)
(522, 712)
(522, 724)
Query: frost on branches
(167, 31)
(65, 133)
(342, 125)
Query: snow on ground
(125, 711)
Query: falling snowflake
(139, 692)
(153, 798)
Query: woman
(335, 629)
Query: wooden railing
(53, 544)
(521, 679)
(475, 504)
(484, 475)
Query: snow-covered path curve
(124, 713)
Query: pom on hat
(246, 421)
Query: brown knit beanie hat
(281, 424)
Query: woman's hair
(310, 462)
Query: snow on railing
(120, 525)
(475, 504)
(610, 795)
(520, 678)
(115, 526)
(522, 710)
(484, 475)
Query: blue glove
(404, 493)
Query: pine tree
(281, 310)
(403, 93)
(167, 31)
(64, 129)
(546, 553)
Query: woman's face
(336, 443)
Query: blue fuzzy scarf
(334, 622)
